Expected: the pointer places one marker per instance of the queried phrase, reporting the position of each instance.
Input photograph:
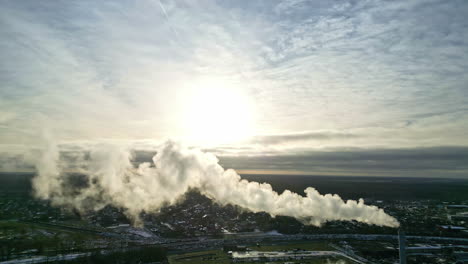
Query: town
(30, 228)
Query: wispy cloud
(367, 73)
(413, 162)
(301, 136)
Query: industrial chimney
(401, 242)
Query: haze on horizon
(299, 87)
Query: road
(193, 244)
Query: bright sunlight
(218, 113)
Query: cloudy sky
(319, 87)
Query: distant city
(200, 231)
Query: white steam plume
(48, 183)
(112, 179)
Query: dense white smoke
(112, 179)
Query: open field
(221, 257)
(210, 256)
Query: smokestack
(401, 242)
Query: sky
(292, 86)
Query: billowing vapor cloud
(110, 178)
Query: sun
(217, 113)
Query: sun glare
(218, 114)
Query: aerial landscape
(217, 131)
